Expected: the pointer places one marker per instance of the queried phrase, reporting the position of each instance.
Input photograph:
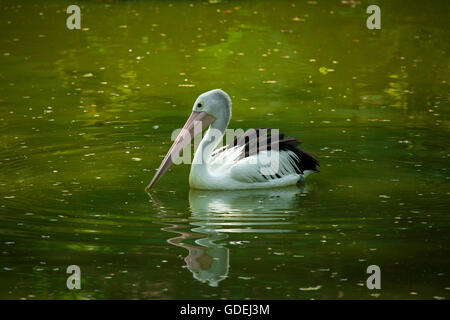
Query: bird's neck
(211, 138)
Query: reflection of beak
(183, 139)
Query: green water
(86, 116)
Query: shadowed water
(87, 115)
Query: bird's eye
(199, 105)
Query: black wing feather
(256, 140)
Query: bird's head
(216, 103)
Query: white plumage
(226, 171)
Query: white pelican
(242, 164)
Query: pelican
(247, 163)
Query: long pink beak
(183, 139)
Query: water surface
(86, 116)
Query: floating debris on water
(311, 288)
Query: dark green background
(86, 115)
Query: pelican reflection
(217, 214)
